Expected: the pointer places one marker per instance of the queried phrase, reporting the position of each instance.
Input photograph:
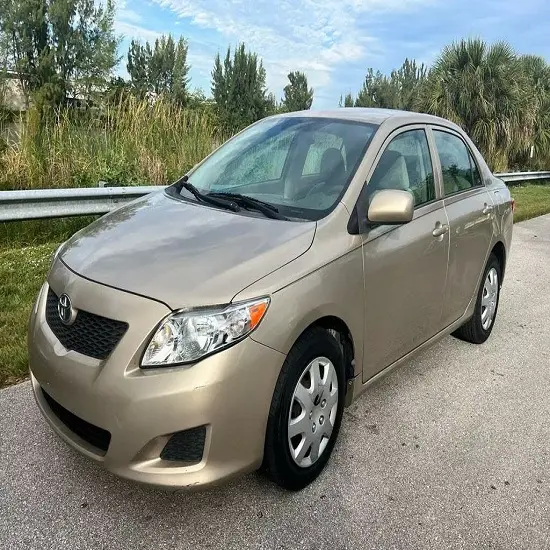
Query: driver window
(406, 164)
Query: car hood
(183, 254)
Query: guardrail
(38, 204)
(59, 203)
(516, 177)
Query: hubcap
(489, 299)
(313, 412)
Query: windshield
(301, 165)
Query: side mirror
(391, 207)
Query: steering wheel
(316, 187)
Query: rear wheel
(306, 411)
(480, 326)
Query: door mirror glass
(391, 206)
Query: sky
(333, 41)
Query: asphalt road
(451, 451)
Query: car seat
(391, 173)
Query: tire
(322, 409)
(474, 330)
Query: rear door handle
(440, 230)
(487, 210)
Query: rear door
(470, 212)
(405, 266)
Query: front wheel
(481, 324)
(306, 411)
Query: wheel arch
(499, 250)
(340, 330)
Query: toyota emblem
(65, 310)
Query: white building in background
(13, 96)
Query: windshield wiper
(184, 183)
(265, 208)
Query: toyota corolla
(222, 324)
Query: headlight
(185, 337)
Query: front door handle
(440, 230)
(488, 209)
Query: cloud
(129, 16)
(314, 36)
(129, 22)
(202, 63)
(130, 30)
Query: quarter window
(459, 170)
(406, 164)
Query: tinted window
(406, 164)
(301, 165)
(459, 170)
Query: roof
(374, 116)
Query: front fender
(334, 290)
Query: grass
(130, 143)
(23, 270)
(531, 201)
(36, 232)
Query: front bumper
(229, 393)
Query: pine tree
(238, 88)
(138, 67)
(398, 91)
(180, 91)
(161, 69)
(297, 95)
(60, 49)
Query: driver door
(405, 266)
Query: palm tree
(537, 73)
(483, 89)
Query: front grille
(97, 437)
(90, 334)
(185, 446)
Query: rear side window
(460, 172)
(406, 164)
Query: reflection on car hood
(183, 254)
